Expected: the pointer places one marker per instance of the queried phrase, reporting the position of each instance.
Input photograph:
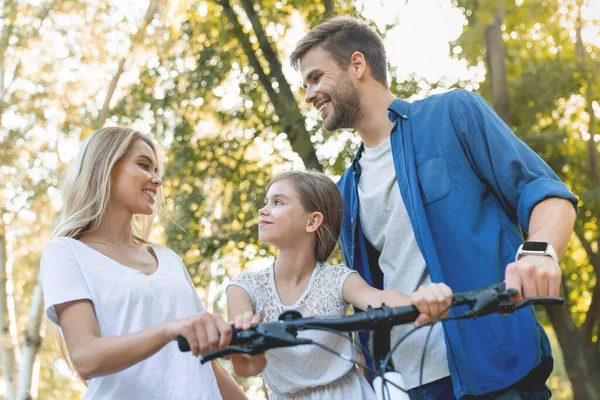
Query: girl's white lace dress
(308, 372)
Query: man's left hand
(534, 275)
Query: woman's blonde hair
(86, 185)
(86, 192)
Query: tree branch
(6, 97)
(139, 35)
(7, 348)
(290, 117)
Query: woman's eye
(145, 167)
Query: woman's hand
(204, 332)
(431, 300)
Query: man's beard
(345, 100)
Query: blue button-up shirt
(469, 186)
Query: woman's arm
(93, 355)
(358, 293)
(239, 310)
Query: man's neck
(374, 125)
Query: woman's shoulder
(165, 251)
(61, 244)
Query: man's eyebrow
(310, 75)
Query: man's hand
(534, 275)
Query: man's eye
(277, 202)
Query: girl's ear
(315, 219)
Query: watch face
(535, 246)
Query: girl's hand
(431, 300)
(244, 364)
(204, 332)
(245, 321)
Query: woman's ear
(315, 220)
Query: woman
(119, 300)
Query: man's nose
(310, 95)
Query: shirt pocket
(434, 177)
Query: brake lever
(267, 336)
(486, 300)
(506, 307)
(472, 297)
(204, 358)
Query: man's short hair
(341, 37)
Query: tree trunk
(31, 344)
(328, 9)
(496, 65)
(7, 348)
(291, 120)
(139, 35)
(581, 360)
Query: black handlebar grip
(183, 344)
(237, 337)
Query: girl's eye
(145, 167)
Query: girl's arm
(93, 355)
(239, 310)
(227, 386)
(361, 295)
(430, 300)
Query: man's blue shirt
(469, 186)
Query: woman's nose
(156, 180)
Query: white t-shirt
(126, 301)
(308, 372)
(386, 225)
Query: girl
(119, 300)
(302, 217)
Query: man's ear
(315, 220)
(357, 65)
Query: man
(439, 191)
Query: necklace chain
(137, 248)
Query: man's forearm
(552, 221)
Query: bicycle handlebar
(283, 333)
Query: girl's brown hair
(318, 193)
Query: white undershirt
(386, 225)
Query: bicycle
(388, 383)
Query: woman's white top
(126, 301)
(307, 371)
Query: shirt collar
(398, 109)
